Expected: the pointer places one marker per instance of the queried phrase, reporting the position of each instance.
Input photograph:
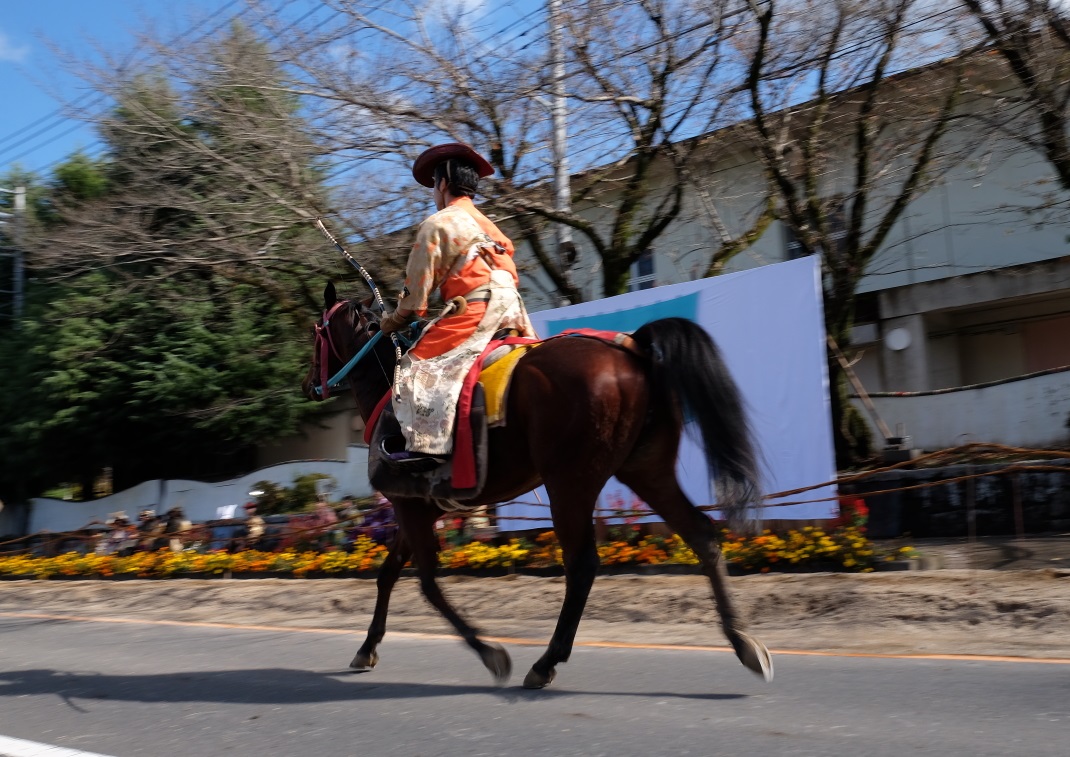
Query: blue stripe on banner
(631, 318)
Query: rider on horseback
(462, 253)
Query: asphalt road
(144, 689)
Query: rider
(462, 253)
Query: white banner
(769, 325)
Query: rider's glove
(393, 321)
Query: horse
(578, 411)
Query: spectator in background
(326, 519)
(347, 510)
(121, 539)
(254, 527)
(150, 530)
(349, 520)
(176, 526)
(379, 523)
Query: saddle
(435, 481)
(481, 406)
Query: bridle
(325, 347)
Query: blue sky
(35, 35)
(33, 79)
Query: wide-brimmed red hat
(423, 170)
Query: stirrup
(407, 461)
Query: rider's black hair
(462, 179)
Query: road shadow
(267, 686)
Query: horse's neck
(370, 385)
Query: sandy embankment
(944, 611)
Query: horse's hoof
(754, 656)
(364, 661)
(497, 661)
(536, 680)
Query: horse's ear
(330, 296)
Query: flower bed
(845, 548)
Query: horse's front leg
(573, 524)
(417, 521)
(388, 575)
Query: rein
(324, 389)
(325, 346)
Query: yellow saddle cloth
(495, 380)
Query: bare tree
(1033, 38)
(846, 141)
(644, 79)
(209, 171)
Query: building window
(792, 246)
(643, 272)
(837, 222)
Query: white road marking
(10, 747)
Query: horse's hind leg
(417, 521)
(388, 575)
(662, 492)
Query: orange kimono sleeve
(425, 259)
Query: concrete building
(970, 288)
(963, 325)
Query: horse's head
(344, 328)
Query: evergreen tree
(164, 333)
(178, 385)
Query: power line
(520, 20)
(204, 36)
(98, 98)
(78, 125)
(523, 33)
(40, 120)
(59, 111)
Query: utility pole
(17, 268)
(19, 271)
(566, 251)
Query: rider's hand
(393, 321)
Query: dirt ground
(951, 611)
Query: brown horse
(579, 411)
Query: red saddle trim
(464, 458)
(369, 427)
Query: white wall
(200, 500)
(11, 519)
(1031, 412)
(325, 438)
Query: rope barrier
(291, 533)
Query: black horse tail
(690, 376)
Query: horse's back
(577, 396)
